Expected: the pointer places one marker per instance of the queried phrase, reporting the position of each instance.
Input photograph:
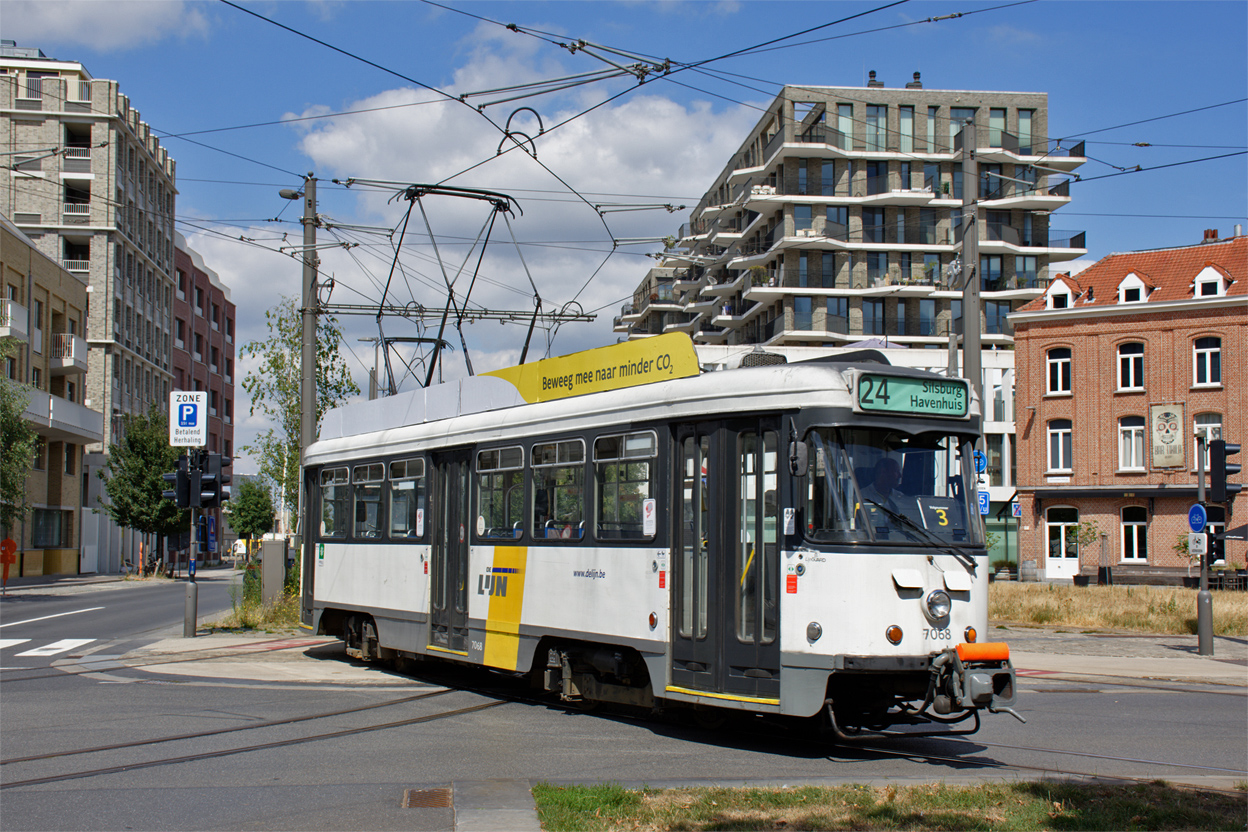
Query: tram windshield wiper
(925, 535)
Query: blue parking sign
(188, 415)
(983, 501)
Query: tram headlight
(938, 603)
(813, 631)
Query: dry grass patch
(1142, 609)
(991, 806)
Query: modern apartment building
(840, 220)
(43, 310)
(95, 191)
(1119, 368)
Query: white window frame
(1053, 382)
(1132, 281)
(1131, 367)
(1065, 447)
(1209, 276)
(1210, 425)
(1203, 356)
(1132, 453)
(1135, 530)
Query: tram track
(208, 755)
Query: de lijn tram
(799, 538)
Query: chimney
(916, 84)
(1239, 230)
(1211, 235)
(871, 82)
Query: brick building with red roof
(1117, 369)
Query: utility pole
(1204, 598)
(971, 359)
(307, 312)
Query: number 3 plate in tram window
(914, 396)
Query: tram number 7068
(934, 634)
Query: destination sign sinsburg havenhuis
(914, 396)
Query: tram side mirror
(798, 458)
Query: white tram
(791, 539)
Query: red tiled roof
(1169, 272)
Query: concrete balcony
(13, 319)
(69, 354)
(60, 420)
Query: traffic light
(1220, 469)
(213, 479)
(181, 491)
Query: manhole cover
(427, 799)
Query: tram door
(725, 626)
(448, 587)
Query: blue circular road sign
(981, 462)
(1196, 518)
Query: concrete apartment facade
(839, 221)
(1118, 369)
(43, 311)
(95, 191)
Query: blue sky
(193, 67)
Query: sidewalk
(73, 584)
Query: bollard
(192, 605)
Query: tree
(19, 441)
(274, 388)
(132, 476)
(251, 510)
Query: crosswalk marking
(56, 647)
(12, 642)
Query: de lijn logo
(494, 582)
(188, 413)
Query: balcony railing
(77, 153)
(76, 265)
(81, 209)
(1068, 239)
(13, 319)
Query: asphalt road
(441, 726)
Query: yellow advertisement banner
(645, 361)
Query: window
(802, 313)
(1025, 274)
(1059, 370)
(932, 113)
(1207, 362)
(407, 498)
(1208, 425)
(996, 314)
(996, 126)
(837, 315)
(994, 443)
(927, 316)
(1024, 132)
(624, 481)
(71, 458)
(199, 300)
(1130, 366)
(1059, 445)
(41, 454)
(990, 272)
(873, 317)
(958, 116)
(500, 493)
(906, 120)
(873, 225)
(1134, 533)
(877, 178)
(845, 125)
(334, 502)
(803, 179)
(836, 224)
(1062, 526)
(1209, 283)
(877, 126)
(368, 480)
(801, 217)
(51, 529)
(558, 490)
(1131, 443)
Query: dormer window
(1058, 296)
(1209, 283)
(1132, 290)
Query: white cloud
(105, 26)
(644, 145)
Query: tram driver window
(407, 498)
(624, 480)
(500, 493)
(559, 490)
(335, 498)
(368, 480)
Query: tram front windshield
(891, 488)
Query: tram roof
(484, 406)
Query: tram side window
(368, 480)
(500, 493)
(335, 499)
(559, 490)
(407, 498)
(624, 471)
